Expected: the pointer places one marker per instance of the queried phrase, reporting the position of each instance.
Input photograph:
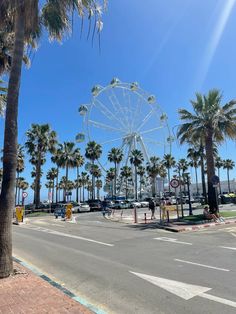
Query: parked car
(144, 203)
(95, 205)
(135, 204)
(119, 205)
(84, 207)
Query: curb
(60, 287)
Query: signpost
(174, 183)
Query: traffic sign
(215, 180)
(24, 194)
(174, 183)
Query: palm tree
(126, 173)
(27, 19)
(210, 122)
(56, 159)
(193, 156)
(182, 165)
(84, 181)
(136, 159)
(98, 185)
(68, 154)
(51, 176)
(79, 161)
(219, 164)
(115, 155)
(168, 162)
(1, 172)
(93, 152)
(49, 185)
(228, 164)
(141, 172)
(19, 166)
(40, 140)
(163, 174)
(153, 169)
(110, 176)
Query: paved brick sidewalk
(24, 293)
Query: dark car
(60, 210)
(95, 205)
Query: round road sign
(24, 194)
(174, 183)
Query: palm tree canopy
(209, 118)
(136, 157)
(93, 151)
(68, 154)
(218, 162)
(168, 161)
(153, 166)
(115, 155)
(228, 164)
(110, 174)
(126, 172)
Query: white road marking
(66, 235)
(228, 248)
(202, 265)
(172, 240)
(183, 290)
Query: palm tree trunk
(77, 187)
(168, 179)
(210, 172)
(66, 188)
(203, 179)
(219, 179)
(57, 185)
(53, 187)
(196, 180)
(228, 180)
(115, 179)
(83, 193)
(7, 197)
(37, 180)
(140, 188)
(18, 201)
(17, 179)
(126, 189)
(136, 183)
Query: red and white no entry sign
(174, 183)
(24, 194)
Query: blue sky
(173, 48)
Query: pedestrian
(152, 207)
(104, 207)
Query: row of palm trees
(41, 140)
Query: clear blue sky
(173, 48)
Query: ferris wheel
(123, 115)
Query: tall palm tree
(110, 176)
(168, 162)
(193, 156)
(68, 154)
(219, 164)
(126, 173)
(98, 185)
(228, 164)
(84, 181)
(20, 166)
(182, 167)
(153, 169)
(136, 159)
(141, 172)
(211, 122)
(115, 155)
(27, 19)
(57, 160)
(93, 152)
(51, 176)
(40, 140)
(79, 161)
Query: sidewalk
(127, 216)
(24, 292)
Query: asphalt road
(127, 269)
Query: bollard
(135, 215)
(145, 218)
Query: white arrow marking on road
(172, 240)
(228, 247)
(183, 290)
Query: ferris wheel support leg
(143, 148)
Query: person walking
(152, 207)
